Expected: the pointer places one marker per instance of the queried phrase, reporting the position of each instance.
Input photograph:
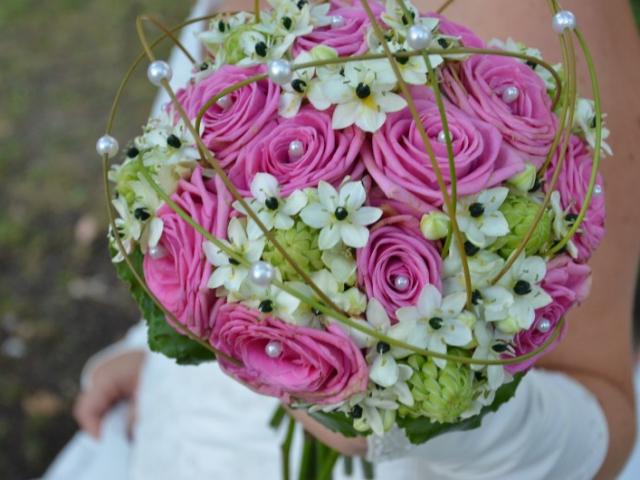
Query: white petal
(404, 394)
(408, 314)
(263, 186)
(282, 221)
(219, 276)
(236, 232)
(315, 215)
(328, 196)
(384, 370)
(377, 315)
(352, 196)
(345, 115)
(369, 119)
(329, 237)
(390, 102)
(156, 226)
(354, 235)
(316, 96)
(492, 198)
(474, 235)
(456, 334)
(495, 376)
(289, 104)
(494, 224)
(429, 300)
(253, 230)
(255, 249)
(214, 255)
(374, 419)
(533, 269)
(366, 215)
(454, 303)
(296, 202)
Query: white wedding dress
(196, 423)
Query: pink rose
(316, 366)
(329, 154)
(573, 183)
(348, 39)
(228, 128)
(402, 169)
(179, 278)
(477, 86)
(396, 249)
(449, 28)
(568, 283)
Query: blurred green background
(60, 62)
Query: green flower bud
(123, 175)
(509, 325)
(233, 44)
(520, 212)
(440, 394)
(323, 52)
(434, 225)
(301, 243)
(525, 180)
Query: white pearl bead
(597, 189)
(544, 325)
(224, 102)
(442, 138)
(107, 145)
(262, 273)
(280, 71)
(510, 94)
(563, 20)
(337, 21)
(418, 37)
(296, 149)
(273, 349)
(401, 283)
(157, 252)
(159, 71)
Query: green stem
(368, 470)
(306, 463)
(348, 465)
(286, 450)
(277, 417)
(328, 465)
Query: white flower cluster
(167, 151)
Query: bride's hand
(113, 380)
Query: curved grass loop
(322, 303)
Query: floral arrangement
(363, 210)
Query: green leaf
(162, 337)
(419, 430)
(336, 422)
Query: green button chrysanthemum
(301, 243)
(520, 212)
(441, 395)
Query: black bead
(476, 209)
(266, 306)
(478, 376)
(356, 412)
(594, 122)
(470, 249)
(341, 213)
(301, 4)
(522, 287)
(221, 26)
(531, 64)
(341, 72)
(141, 214)
(204, 66)
(402, 60)
(405, 21)
(287, 22)
(382, 347)
(500, 347)
(536, 186)
(571, 217)
(443, 42)
(363, 91)
(436, 323)
(174, 141)
(271, 203)
(133, 152)
(299, 85)
(233, 261)
(476, 296)
(261, 49)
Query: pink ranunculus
(449, 28)
(348, 39)
(568, 283)
(573, 183)
(228, 128)
(179, 278)
(396, 248)
(317, 366)
(402, 169)
(476, 85)
(329, 154)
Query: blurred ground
(61, 61)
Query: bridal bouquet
(364, 211)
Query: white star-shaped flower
(584, 121)
(341, 216)
(483, 267)
(272, 210)
(363, 95)
(128, 227)
(228, 272)
(441, 320)
(491, 345)
(513, 300)
(560, 224)
(479, 217)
